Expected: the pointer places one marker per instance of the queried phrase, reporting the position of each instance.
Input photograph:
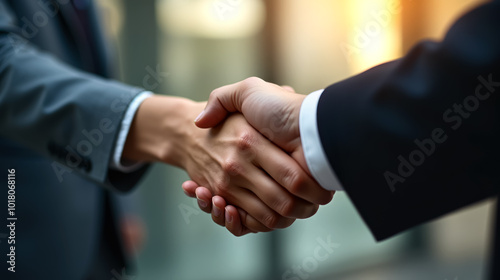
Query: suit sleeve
(416, 138)
(70, 116)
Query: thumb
(214, 113)
(222, 101)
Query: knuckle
(245, 141)
(271, 220)
(295, 181)
(214, 93)
(251, 82)
(287, 207)
(232, 167)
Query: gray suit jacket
(58, 126)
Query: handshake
(248, 169)
(266, 182)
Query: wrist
(161, 129)
(294, 119)
(297, 149)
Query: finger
(204, 197)
(223, 100)
(218, 205)
(240, 223)
(288, 173)
(248, 222)
(288, 88)
(252, 224)
(274, 195)
(278, 164)
(189, 188)
(253, 205)
(218, 105)
(233, 221)
(298, 156)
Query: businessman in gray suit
(74, 138)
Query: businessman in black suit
(73, 139)
(409, 140)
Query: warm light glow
(111, 12)
(212, 18)
(374, 34)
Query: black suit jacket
(417, 138)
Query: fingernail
(229, 218)
(217, 211)
(202, 203)
(199, 116)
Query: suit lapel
(77, 31)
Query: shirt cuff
(311, 144)
(117, 163)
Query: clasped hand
(265, 183)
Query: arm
(370, 125)
(233, 160)
(74, 118)
(423, 104)
(60, 112)
(274, 112)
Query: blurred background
(189, 47)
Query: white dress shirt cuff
(311, 143)
(117, 163)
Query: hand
(232, 160)
(225, 215)
(222, 214)
(271, 109)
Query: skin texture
(274, 112)
(232, 160)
